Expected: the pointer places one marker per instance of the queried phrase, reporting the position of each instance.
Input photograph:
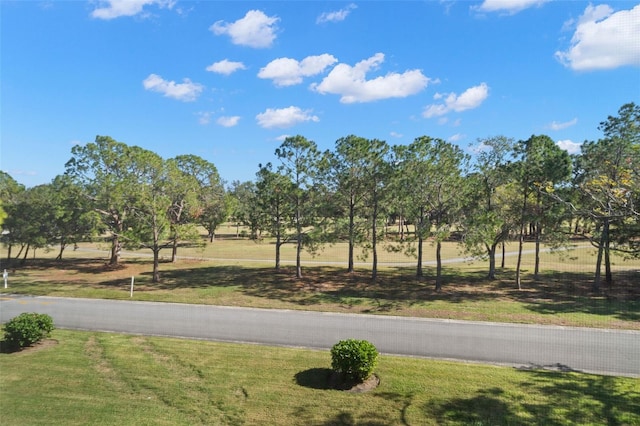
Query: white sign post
(5, 275)
(131, 293)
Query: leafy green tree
(349, 186)
(10, 191)
(609, 186)
(299, 159)
(487, 222)
(107, 171)
(244, 207)
(429, 174)
(148, 223)
(72, 218)
(273, 201)
(541, 164)
(376, 175)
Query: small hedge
(354, 359)
(27, 329)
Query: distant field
(98, 378)
(239, 272)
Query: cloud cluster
(469, 99)
(186, 91)
(226, 67)
(351, 84)
(111, 9)
(508, 6)
(604, 39)
(285, 117)
(336, 16)
(287, 71)
(559, 126)
(569, 146)
(254, 30)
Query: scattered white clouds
(569, 146)
(226, 67)
(254, 30)
(469, 99)
(510, 7)
(228, 121)
(457, 137)
(351, 84)
(285, 117)
(187, 91)
(603, 39)
(287, 71)
(336, 16)
(111, 9)
(204, 117)
(396, 135)
(559, 126)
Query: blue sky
(229, 80)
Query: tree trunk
(350, 267)
(62, 247)
(607, 258)
(438, 266)
(115, 251)
(26, 252)
(156, 264)
(536, 269)
(503, 256)
(374, 239)
(491, 251)
(596, 279)
(278, 244)
(419, 265)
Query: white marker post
(5, 275)
(131, 293)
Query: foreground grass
(98, 378)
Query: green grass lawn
(560, 296)
(102, 378)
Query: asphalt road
(612, 352)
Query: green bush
(27, 329)
(355, 359)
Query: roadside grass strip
(94, 378)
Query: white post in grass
(131, 293)
(5, 275)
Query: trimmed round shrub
(27, 329)
(354, 359)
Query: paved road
(589, 350)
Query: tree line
(429, 190)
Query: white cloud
(204, 117)
(228, 121)
(508, 6)
(226, 67)
(336, 16)
(559, 126)
(469, 99)
(351, 83)
(111, 9)
(396, 135)
(604, 39)
(285, 117)
(457, 137)
(186, 91)
(254, 30)
(569, 146)
(287, 71)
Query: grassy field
(240, 273)
(83, 378)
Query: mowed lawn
(82, 378)
(238, 272)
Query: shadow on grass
(569, 399)
(395, 288)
